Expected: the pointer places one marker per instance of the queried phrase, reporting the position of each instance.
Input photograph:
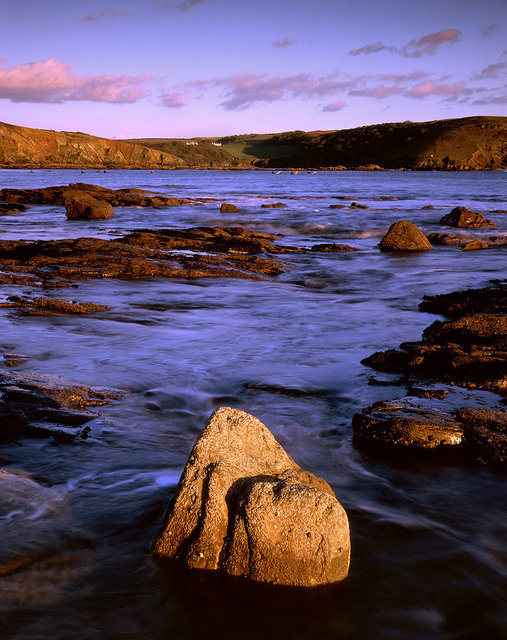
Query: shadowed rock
(443, 238)
(245, 507)
(463, 218)
(463, 303)
(404, 236)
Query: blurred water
(429, 557)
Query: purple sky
(182, 68)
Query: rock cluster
(468, 350)
(245, 507)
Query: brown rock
(274, 205)
(404, 236)
(357, 205)
(82, 206)
(463, 218)
(486, 434)
(428, 207)
(329, 247)
(462, 303)
(473, 245)
(245, 507)
(225, 207)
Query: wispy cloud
(429, 88)
(337, 105)
(53, 81)
(183, 5)
(283, 43)
(107, 14)
(426, 45)
(492, 71)
(489, 29)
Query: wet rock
(225, 207)
(274, 205)
(404, 236)
(214, 252)
(357, 205)
(51, 306)
(422, 392)
(486, 434)
(462, 303)
(14, 359)
(82, 206)
(469, 351)
(7, 208)
(337, 206)
(443, 238)
(115, 197)
(474, 245)
(402, 424)
(329, 247)
(428, 207)
(43, 406)
(463, 218)
(245, 507)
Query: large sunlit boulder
(245, 507)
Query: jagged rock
(82, 206)
(463, 218)
(443, 238)
(245, 507)
(473, 245)
(225, 207)
(404, 236)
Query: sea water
(429, 557)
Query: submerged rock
(82, 206)
(404, 236)
(274, 205)
(443, 238)
(245, 507)
(463, 218)
(329, 247)
(474, 245)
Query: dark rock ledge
(468, 350)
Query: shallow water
(429, 556)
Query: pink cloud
(381, 92)
(426, 45)
(174, 99)
(107, 14)
(425, 89)
(337, 105)
(53, 81)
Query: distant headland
(462, 144)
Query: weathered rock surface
(82, 206)
(404, 236)
(226, 207)
(7, 208)
(245, 507)
(463, 218)
(461, 303)
(478, 434)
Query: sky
(185, 68)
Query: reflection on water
(77, 521)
